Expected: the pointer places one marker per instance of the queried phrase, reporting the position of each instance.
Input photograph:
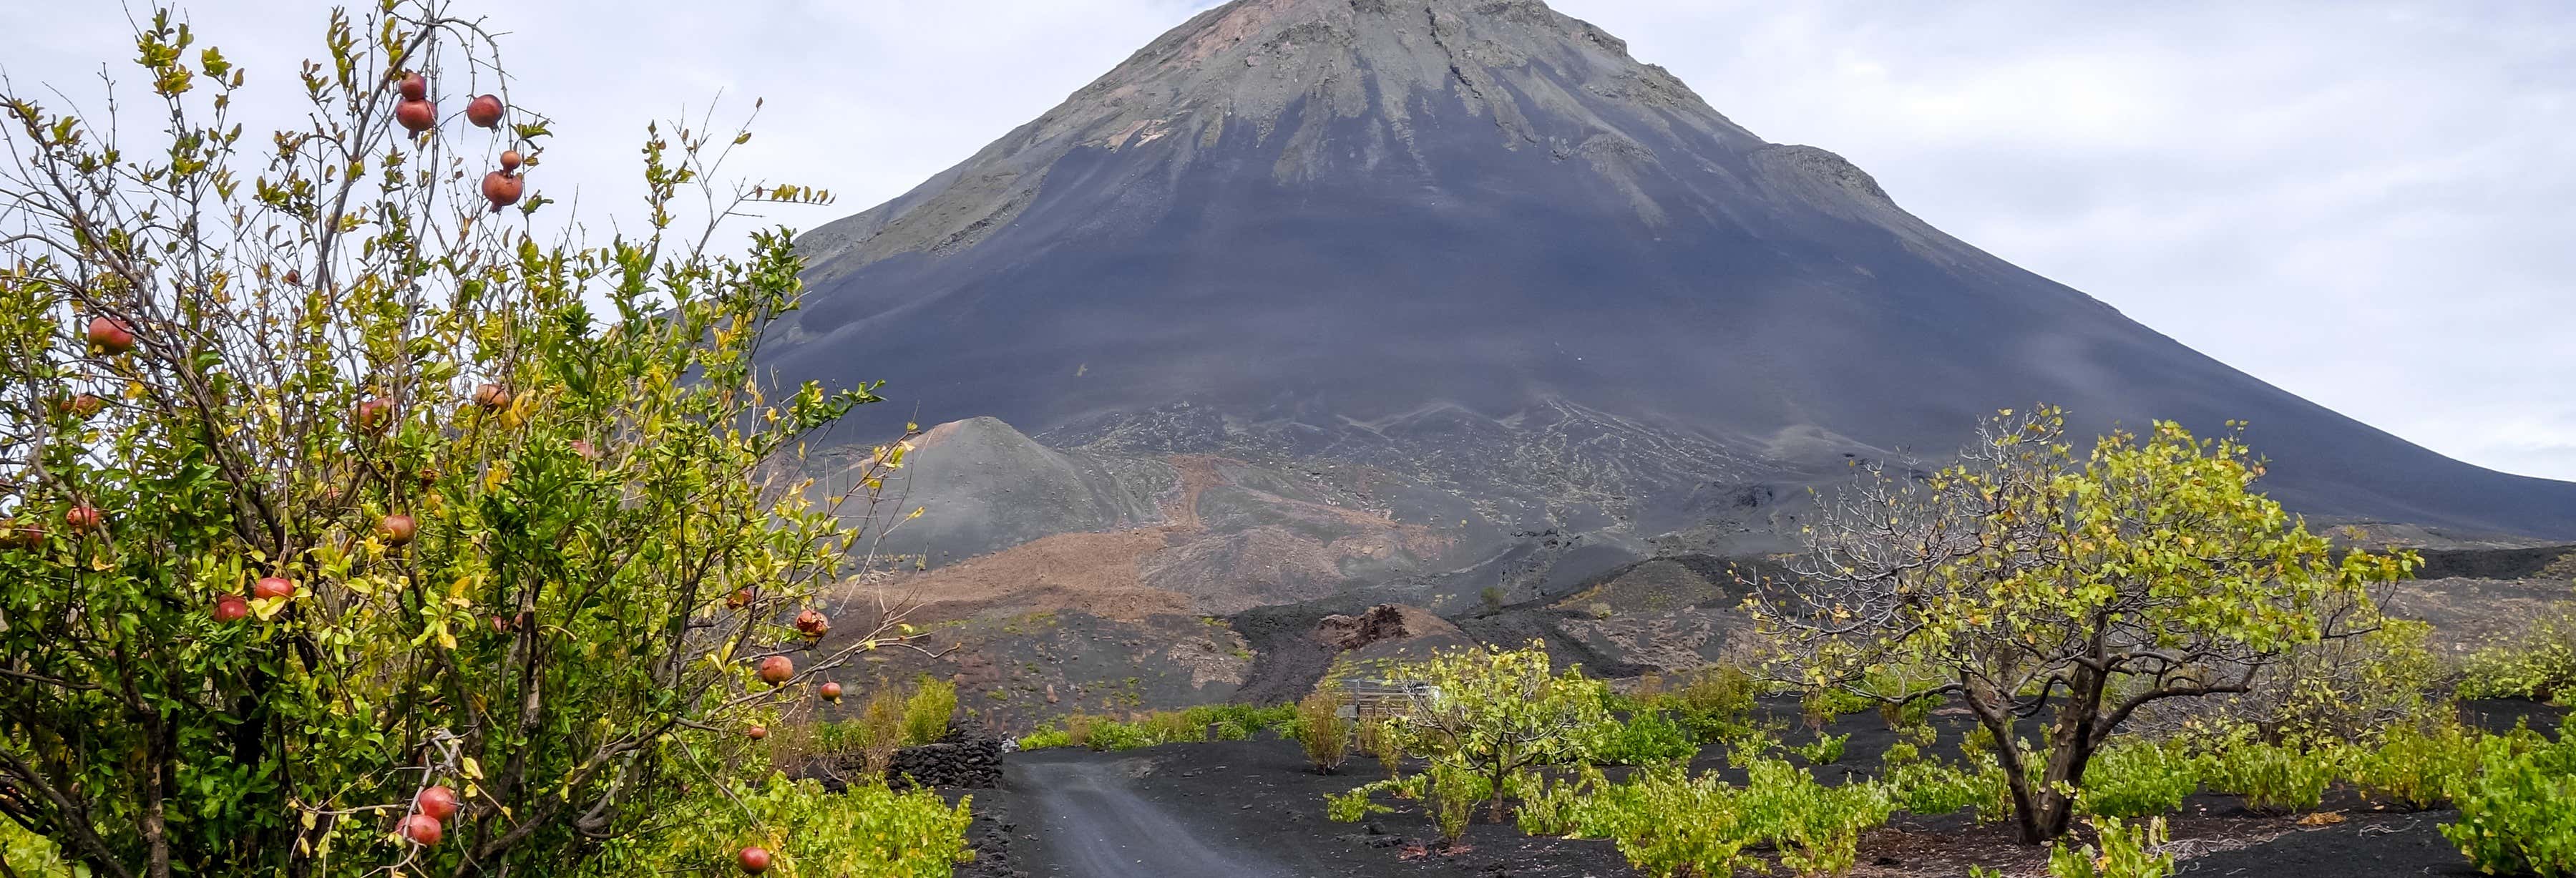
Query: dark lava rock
(964, 760)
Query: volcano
(1467, 265)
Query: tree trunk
(2070, 748)
(1996, 715)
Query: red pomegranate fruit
(416, 116)
(110, 335)
(757, 732)
(438, 802)
(231, 608)
(423, 830)
(832, 692)
(509, 160)
(502, 189)
(812, 624)
(374, 414)
(273, 587)
(776, 669)
(741, 598)
(397, 529)
(753, 860)
(414, 86)
(83, 518)
(484, 111)
(491, 397)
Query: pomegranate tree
(283, 337)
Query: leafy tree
(1492, 715)
(326, 485)
(2026, 580)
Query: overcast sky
(2371, 205)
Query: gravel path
(1090, 823)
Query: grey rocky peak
(1467, 265)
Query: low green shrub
(1220, 722)
(1453, 792)
(865, 830)
(2515, 811)
(1647, 737)
(1322, 731)
(1816, 827)
(2540, 665)
(1352, 806)
(1114, 735)
(1560, 806)
(1384, 743)
(1751, 745)
(2133, 778)
(1045, 738)
(2272, 778)
(926, 714)
(1825, 750)
(1670, 825)
(1926, 786)
(2418, 768)
(1714, 703)
(2121, 851)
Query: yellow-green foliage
(1671, 825)
(1555, 806)
(1322, 730)
(927, 712)
(2031, 560)
(1451, 794)
(2132, 778)
(2418, 767)
(1715, 703)
(2123, 851)
(2541, 664)
(334, 330)
(2515, 812)
(2345, 689)
(879, 731)
(2273, 777)
(866, 830)
(30, 854)
(1223, 722)
(1816, 827)
(1824, 750)
(1495, 714)
(1928, 786)
(1381, 741)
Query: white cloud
(2367, 204)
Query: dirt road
(1090, 823)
